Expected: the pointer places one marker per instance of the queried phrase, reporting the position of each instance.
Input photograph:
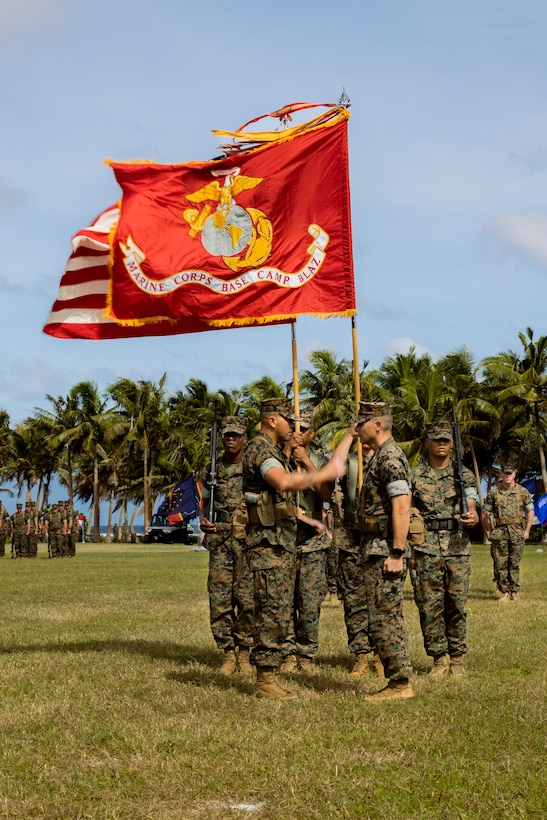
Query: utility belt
(443, 524)
(263, 511)
(501, 521)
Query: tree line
(130, 443)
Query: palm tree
(522, 380)
(141, 408)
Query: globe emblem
(227, 232)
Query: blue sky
(448, 162)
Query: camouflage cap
(276, 405)
(306, 419)
(19, 504)
(436, 430)
(508, 468)
(232, 424)
(372, 409)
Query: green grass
(110, 706)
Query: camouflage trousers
(309, 591)
(352, 586)
(32, 545)
(507, 546)
(2, 544)
(332, 567)
(56, 544)
(274, 573)
(440, 591)
(231, 596)
(384, 595)
(20, 544)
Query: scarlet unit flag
(264, 233)
(259, 236)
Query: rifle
(212, 479)
(464, 508)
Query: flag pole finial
(344, 101)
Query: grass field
(110, 706)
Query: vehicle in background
(161, 531)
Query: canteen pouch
(416, 530)
(240, 519)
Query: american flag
(79, 309)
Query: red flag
(263, 234)
(79, 310)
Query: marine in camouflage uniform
(32, 530)
(19, 532)
(230, 581)
(510, 505)
(384, 515)
(443, 560)
(350, 571)
(55, 530)
(4, 529)
(312, 543)
(269, 487)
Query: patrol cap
(436, 430)
(306, 419)
(232, 424)
(508, 468)
(371, 410)
(19, 504)
(276, 405)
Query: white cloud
(403, 345)
(524, 235)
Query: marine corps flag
(263, 234)
(258, 236)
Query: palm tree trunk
(541, 451)
(146, 488)
(109, 520)
(96, 502)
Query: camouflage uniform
(72, 531)
(508, 508)
(350, 570)
(332, 552)
(4, 529)
(443, 561)
(311, 578)
(270, 549)
(55, 525)
(19, 532)
(387, 476)
(32, 531)
(230, 581)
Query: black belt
(443, 524)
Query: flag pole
(296, 391)
(357, 389)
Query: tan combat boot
(441, 667)
(376, 665)
(360, 665)
(504, 597)
(456, 666)
(306, 665)
(244, 661)
(515, 596)
(395, 690)
(229, 664)
(266, 685)
(289, 665)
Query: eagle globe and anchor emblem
(241, 236)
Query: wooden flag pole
(296, 392)
(357, 389)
